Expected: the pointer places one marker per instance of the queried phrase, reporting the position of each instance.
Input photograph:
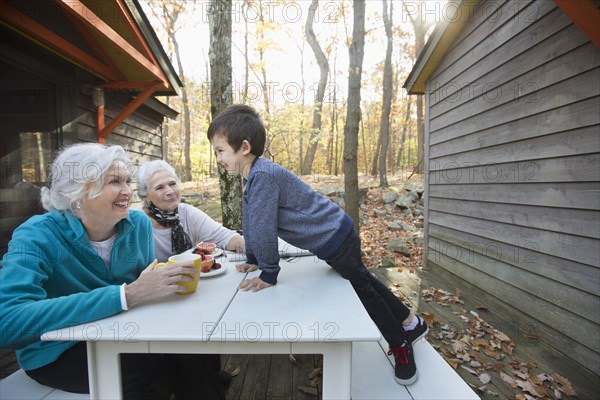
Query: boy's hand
(254, 284)
(245, 267)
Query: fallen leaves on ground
(477, 347)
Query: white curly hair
(77, 171)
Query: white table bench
(372, 379)
(19, 386)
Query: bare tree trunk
(376, 150)
(364, 143)
(311, 38)
(404, 130)
(420, 27)
(187, 128)
(353, 113)
(165, 134)
(330, 146)
(387, 95)
(246, 63)
(219, 18)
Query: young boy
(278, 203)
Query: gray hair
(148, 169)
(79, 169)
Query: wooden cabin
(74, 71)
(512, 161)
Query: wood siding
(140, 134)
(513, 169)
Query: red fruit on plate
(206, 270)
(216, 266)
(206, 247)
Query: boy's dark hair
(238, 123)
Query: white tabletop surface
(172, 317)
(310, 303)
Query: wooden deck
(277, 377)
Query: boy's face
(232, 161)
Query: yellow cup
(190, 285)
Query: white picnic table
(311, 310)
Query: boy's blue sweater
(52, 278)
(278, 203)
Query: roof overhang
(439, 42)
(584, 14)
(118, 46)
(111, 39)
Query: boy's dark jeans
(383, 306)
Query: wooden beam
(585, 15)
(93, 43)
(88, 17)
(16, 20)
(134, 29)
(124, 85)
(100, 124)
(128, 110)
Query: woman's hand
(254, 284)
(245, 267)
(153, 283)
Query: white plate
(214, 272)
(214, 254)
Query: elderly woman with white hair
(177, 226)
(89, 257)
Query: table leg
(337, 366)
(104, 367)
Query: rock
(394, 226)
(327, 191)
(362, 193)
(405, 201)
(407, 227)
(416, 187)
(390, 197)
(380, 213)
(388, 262)
(418, 240)
(340, 201)
(399, 245)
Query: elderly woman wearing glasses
(177, 226)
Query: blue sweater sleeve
(261, 203)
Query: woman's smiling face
(112, 205)
(163, 191)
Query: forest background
(290, 62)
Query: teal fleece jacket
(52, 278)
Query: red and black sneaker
(405, 367)
(420, 331)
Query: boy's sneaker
(405, 367)
(414, 335)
